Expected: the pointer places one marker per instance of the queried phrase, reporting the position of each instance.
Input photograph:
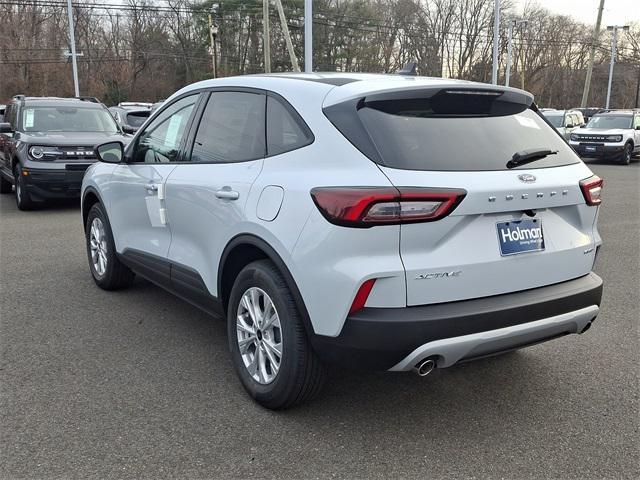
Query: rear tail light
(592, 190)
(362, 296)
(369, 206)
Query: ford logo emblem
(527, 178)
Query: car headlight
(614, 138)
(574, 137)
(38, 152)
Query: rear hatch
(515, 228)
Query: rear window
(136, 119)
(413, 135)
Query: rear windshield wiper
(527, 156)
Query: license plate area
(520, 236)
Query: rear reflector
(592, 190)
(369, 206)
(362, 296)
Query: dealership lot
(139, 384)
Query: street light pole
(308, 36)
(72, 41)
(614, 40)
(213, 32)
(496, 31)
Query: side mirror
(570, 125)
(128, 129)
(637, 127)
(112, 152)
(5, 128)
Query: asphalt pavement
(138, 384)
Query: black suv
(47, 143)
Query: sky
(616, 12)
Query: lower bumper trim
(452, 350)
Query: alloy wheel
(98, 246)
(259, 335)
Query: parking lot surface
(138, 384)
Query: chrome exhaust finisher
(425, 367)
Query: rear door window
(232, 129)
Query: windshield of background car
(610, 121)
(67, 119)
(555, 120)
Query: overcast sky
(616, 12)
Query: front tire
(107, 271)
(23, 199)
(269, 347)
(625, 159)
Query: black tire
(625, 159)
(23, 199)
(301, 374)
(116, 275)
(5, 185)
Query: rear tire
(296, 375)
(107, 271)
(625, 159)
(5, 185)
(23, 200)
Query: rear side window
(232, 129)
(409, 135)
(286, 131)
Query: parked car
(130, 118)
(564, 121)
(47, 143)
(611, 135)
(343, 218)
(2, 109)
(588, 112)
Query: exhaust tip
(425, 367)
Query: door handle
(151, 187)
(227, 194)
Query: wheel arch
(89, 198)
(241, 251)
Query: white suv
(613, 134)
(382, 222)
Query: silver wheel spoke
(245, 344)
(273, 348)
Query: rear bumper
(598, 150)
(59, 183)
(392, 338)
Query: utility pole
(308, 36)
(638, 90)
(496, 36)
(72, 41)
(512, 23)
(614, 41)
(213, 32)
(266, 36)
(287, 37)
(592, 54)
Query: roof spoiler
(88, 99)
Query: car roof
(335, 87)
